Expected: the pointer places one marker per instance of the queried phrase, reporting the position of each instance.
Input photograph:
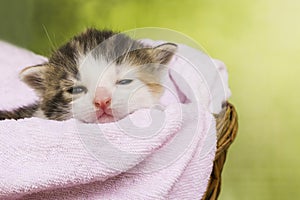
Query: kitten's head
(99, 76)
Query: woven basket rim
(227, 126)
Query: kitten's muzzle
(102, 98)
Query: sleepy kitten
(98, 76)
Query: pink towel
(150, 154)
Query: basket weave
(227, 125)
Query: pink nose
(102, 98)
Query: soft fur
(91, 60)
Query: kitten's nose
(102, 98)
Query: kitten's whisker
(126, 54)
(87, 112)
(48, 36)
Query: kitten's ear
(163, 53)
(34, 76)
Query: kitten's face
(113, 91)
(99, 78)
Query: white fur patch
(125, 98)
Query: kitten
(97, 77)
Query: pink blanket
(150, 154)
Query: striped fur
(53, 80)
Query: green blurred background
(259, 42)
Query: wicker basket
(227, 125)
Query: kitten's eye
(77, 90)
(124, 82)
